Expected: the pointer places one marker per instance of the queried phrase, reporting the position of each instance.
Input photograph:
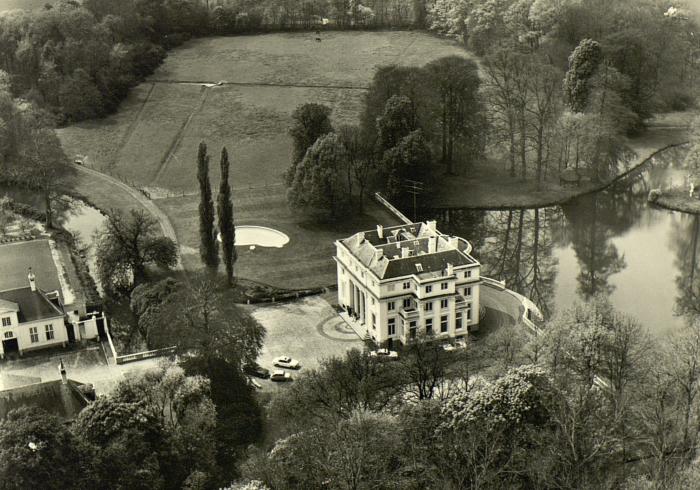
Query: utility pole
(414, 187)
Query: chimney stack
(450, 269)
(62, 369)
(432, 244)
(405, 252)
(432, 225)
(32, 279)
(380, 232)
(454, 242)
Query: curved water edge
(644, 259)
(258, 236)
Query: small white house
(32, 319)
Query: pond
(259, 236)
(644, 259)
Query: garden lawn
(305, 262)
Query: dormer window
(419, 267)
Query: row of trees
(636, 59)
(78, 59)
(410, 114)
(161, 429)
(209, 238)
(511, 411)
(31, 155)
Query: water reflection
(611, 242)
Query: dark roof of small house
(63, 400)
(33, 305)
(16, 259)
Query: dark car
(257, 371)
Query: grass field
(305, 262)
(151, 142)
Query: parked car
(280, 375)
(447, 347)
(257, 371)
(286, 362)
(254, 384)
(385, 354)
(461, 343)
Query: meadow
(151, 142)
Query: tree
(146, 302)
(583, 63)
(126, 245)
(410, 159)
(226, 227)
(398, 121)
(424, 365)
(309, 123)
(41, 162)
(208, 247)
(362, 160)
(318, 184)
(457, 109)
(38, 451)
(202, 323)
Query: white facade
(405, 281)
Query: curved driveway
(163, 220)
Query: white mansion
(402, 281)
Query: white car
(384, 354)
(254, 384)
(447, 347)
(461, 343)
(280, 375)
(286, 362)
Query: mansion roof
(65, 400)
(412, 249)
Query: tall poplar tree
(225, 212)
(208, 248)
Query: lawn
(305, 262)
(151, 142)
(17, 258)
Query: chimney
(379, 253)
(62, 369)
(454, 242)
(432, 244)
(32, 279)
(380, 232)
(450, 269)
(405, 252)
(432, 225)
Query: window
(34, 335)
(458, 320)
(468, 291)
(468, 274)
(469, 311)
(407, 302)
(9, 335)
(443, 323)
(391, 287)
(428, 289)
(374, 320)
(419, 267)
(391, 323)
(372, 301)
(6, 321)
(444, 303)
(429, 326)
(391, 305)
(444, 286)
(429, 306)
(407, 285)
(412, 330)
(49, 332)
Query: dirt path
(134, 195)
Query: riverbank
(677, 199)
(496, 189)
